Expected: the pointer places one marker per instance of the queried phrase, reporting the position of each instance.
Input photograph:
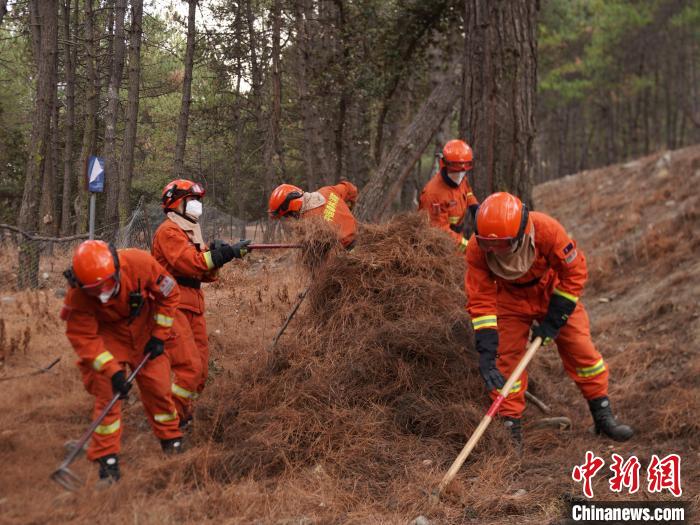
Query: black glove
(226, 252)
(119, 385)
(155, 347)
(558, 312)
(216, 244)
(487, 345)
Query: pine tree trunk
(181, 141)
(273, 145)
(111, 115)
(132, 111)
(498, 113)
(90, 126)
(379, 192)
(70, 51)
(45, 14)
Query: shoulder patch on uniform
(166, 285)
(568, 248)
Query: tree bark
(132, 111)
(273, 145)
(46, 16)
(90, 126)
(379, 192)
(497, 115)
(110, 150)
(70, 52)
(181, 141)
(3, 9)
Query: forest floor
(637, 224)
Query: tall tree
(92, 96)
(183, 123)
(132, 110)
(498, 103)
(273, 144)
(45, 16)
(70, 51)
(110, 150)
(379, 192)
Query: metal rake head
(67, 479)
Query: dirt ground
(637, 224)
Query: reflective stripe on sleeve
(208, 259)
(164, 418)
(102, 359)
(568, 296)
(516, 387)
(163, 320)
(463, 244)
(182, 392)
(591, 371)
(106, 430)
(453, 219)
(485, 321)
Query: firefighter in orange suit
(331, 203)
(522, 268)
(119, 307)
(447, 198)
(179, 247)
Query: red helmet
(285, 199)
(95, 267)
(175, 191)
(501, 221)
(457, 156)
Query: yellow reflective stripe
(591, 371)
(470, 194)
(106, 430)
(485, 321)
(164, 418)
(453, 219)
(463, 244)
(208, 260)
(101, 360)
(182, 392)
(163, 320)
(568, 296)
(516, 387)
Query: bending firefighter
(179, 247)
(525, 268)
(448, 197)
(331, 203)
(120, 307)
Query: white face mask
(457, 176)
(194, 209)
(106, 296)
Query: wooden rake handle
(476, 436)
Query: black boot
(515, 428)
(109, 468)
(605, 421)
(172, 446)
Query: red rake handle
(272, 246)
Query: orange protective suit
(107, 336)
(559, 267)
(447, 206)
(190, 264)
(337, 211)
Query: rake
(63, 475)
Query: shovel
(486, 421)
(63, 475)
